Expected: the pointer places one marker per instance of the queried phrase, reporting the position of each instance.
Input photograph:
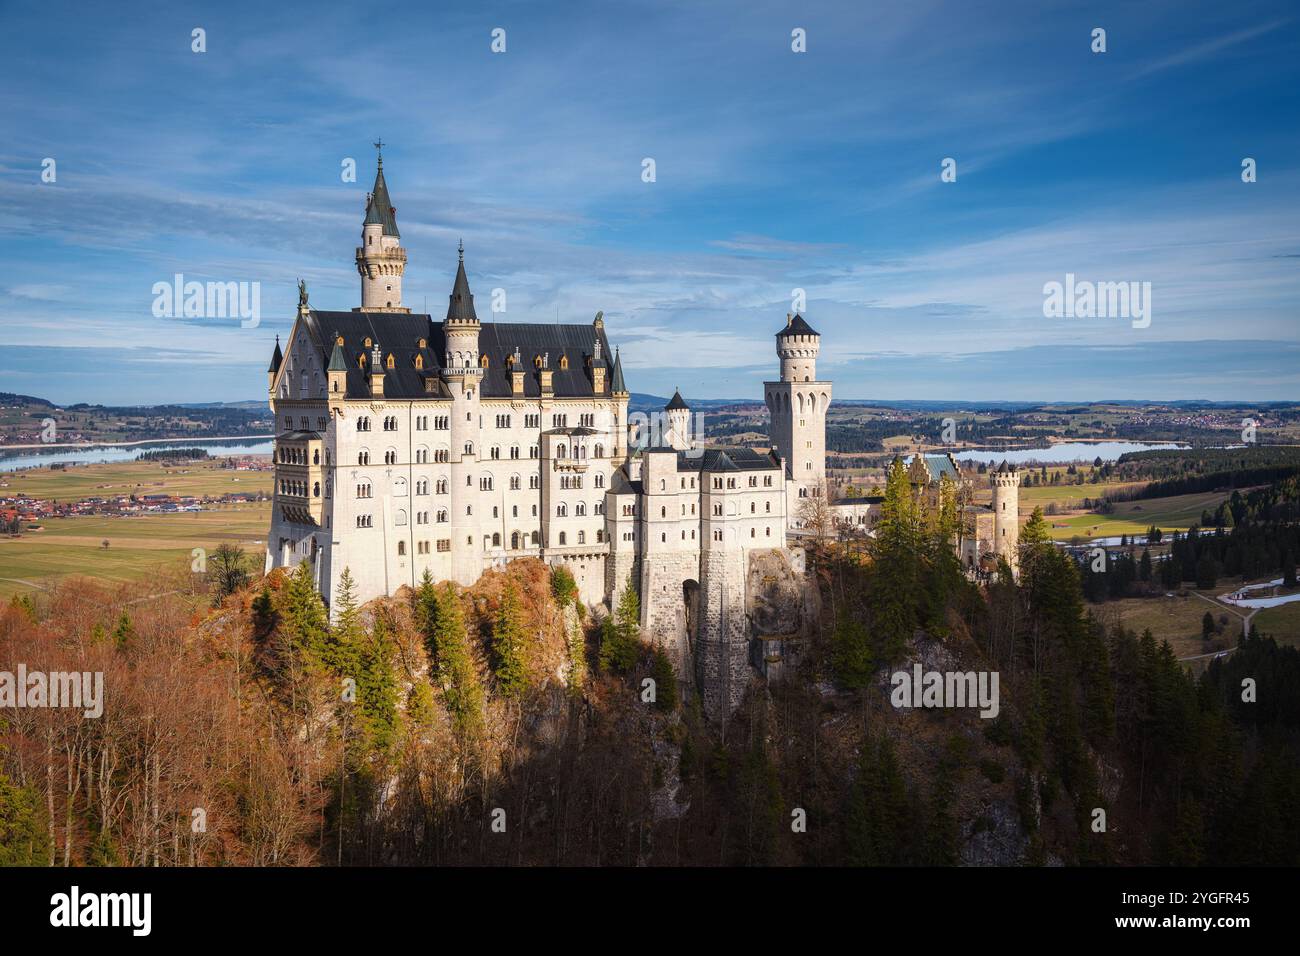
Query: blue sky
(774, 171)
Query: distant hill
(10, 398)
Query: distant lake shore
(96, 453)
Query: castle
(406, 444)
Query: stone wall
(663, 603)
(722, 646)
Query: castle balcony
(300, 508)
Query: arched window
(401, 548)
(399, 518)
(496, 537)
(562, 540)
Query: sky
(774, 171)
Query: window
(444, 544)
(514, 482)
(600, 481)
(401, 548)
(562, 539)
(399, 518)
(363, 458)
(363, 490)
(561, 510)
(485, 483)
(363, 521)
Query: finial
(460, 249)
(789, 317)
(379, 147)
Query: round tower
(381, 260)
(461, 326)
(1005, 482)
(797, 345)
(679, 422)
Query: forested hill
(507, 724)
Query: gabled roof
(797, 326)
(936, 466)
(676, 403)
(380, 210)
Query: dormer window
(483, 361)
(368, 342)
(419, 361)
(361, 360)
(564, 361)
(390, 363)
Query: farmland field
(138, 546)
(133, 477)
(1179, 512)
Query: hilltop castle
(407, 444)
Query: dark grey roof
(676, 403)
(337, 362)
(380, 208)
(616, 383)
(798, 326)
(460, 307)
(277, 357)
(398, 334)
(1005, 467)
(727, 459)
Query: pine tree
(24, 836)
(455, 672)
(620, 635)
(508, 648)
(665, 678)
(302, 617)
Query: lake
(1064, 452)
(18, 459)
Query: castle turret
(1006, 513)
(277, 358)
(678, 413)
(381, 260)
(798, 404)
(462, 373)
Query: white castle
(406, 444)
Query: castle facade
(407, 444)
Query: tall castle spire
(381, 260)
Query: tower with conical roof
(463, 373)
(798, 404)
(381, 260)
(678, 413)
